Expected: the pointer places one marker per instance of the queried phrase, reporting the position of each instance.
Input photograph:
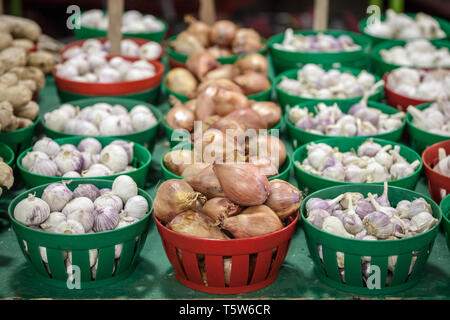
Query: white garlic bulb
(124, 187)
(136, 206)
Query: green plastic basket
(151, 95)
(284, 172)
(421, 139)
(19, 140)
(381, 67)
(146, 138)
(311, 183)
(445, 207)
(7, 154)
(379, 251)
(299, 137)
(180, 58)
(109, 271)
(284, 60)
(286, 99)
(87, 32)
(141, 161)
(445, 26)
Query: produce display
(371, 218)
(6, 176)
(402, 26)
(96, 68)
(223, 39)
(149, 51)
(315, 43)
(371, 162)
(132, 21)
(443, 166)
(419, 53)
(420, 84)
(86, 209)
(434, 119)
(314, 82)
(266, 152)
(247, 75)
(100, 119)
(87, 159)
(360, 120)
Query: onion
(266, 145)
(201, 63)
(180, 117)
(174, 197)
(249, 118)
(246, 40)
(228, 101)
(217, 146)
(176, 161)
(265, 165)
(193, 169)
(223, 32)
(253, 62)
(57, 195)
(205, 106)
(181, 81)
(242, 183)
(186, 43)
(206, 183)
(253, 221)
(223, 83)
(219, 52)
(223, 72)
(269, 111)
(220, 208)
(284, 199)
(253, 82)
(198, 29)
(197, 225)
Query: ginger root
(42, 60)
(6, 176)
(6, 115)
(17, 95)
(13, 57)
(31, 73)
(23, 43)
(22, 27)
(6, 40)
(28, 111)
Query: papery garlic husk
(353, 223)
(108, 200)
(31, 211)
(45, 167)
(317, 216)
(176, 161)
(196, 224)
(350, 196)
(253, 221)
(422, 222)
(105, 219)
(127, 146)
(30, 158)
(220, 208)
(114, 157)
(53, 221)
(329, 205)
(173, 197)
(57, 195)
(125, 187)
(206, 183)
(334, 226)
(97, 170)
(242, 183)
(418, 206)
(269, 111)
(136, 207)
(87, 190)
(125, 221)
(378, 224)
(48, 146)
(284, 199)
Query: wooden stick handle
(320, 20)
(115, 11)
(207, 12)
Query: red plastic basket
(268, 253)
(436, 180)
(111, 89)
(138, 41)
(397, 100)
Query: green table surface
(154, 277)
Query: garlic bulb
(93, 255)
(90, 145)
(53, 221)
(108, 200)
(30, 158)
(422, 221)
(45, 167)
(69, 161)
(31, 211)
(127, 146)
(86, 190)
(334, 226)
(47, 146)
(124, 187)
(136, 207)
(114, 157)
(97, 170)
(57, 195)
(378, 224)
(85, 218)
(317, 216)
(106, 218)
(78, 204)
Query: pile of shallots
(247, 75)
(222, 39)
(267, 152)
(315, 43)
(314, 82)
(132, 21)
(371, 162)
(417, 53)
(361, 120)
(96, 68)
(148, 51)
(100, 119)
(241, 204)
(443, 166)
(402, 26)
(86, 209)
(434, 119)
(420, 84)
(88, 159)
(351, 215)
(6, 176)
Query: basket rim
(428, 165)
(409, 123)
(156, 112)
(380, 242)
(61, 141)
(293, 72)
(10, 153)
(35, 122)
(74, 236)
(346, 183)
(445, 215)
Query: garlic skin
(97, 170)
(317, 216)
(30, 159)
(53, 221)
(85, 218)
(378, 224)
(93, 255)
(114, 157)
(90, 145)
(106, 219)
(47, 146)
(124, 187)
(334, 226)
(57, 195)
(86, 190)
(126, 221)
(45, 167)
(136, 207)
(422, 222)
(78, 204)
(127, 146)
(31, 211)
(69, 161)
(108, 200)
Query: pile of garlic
(132, 21)
(420, 84)
(401, 26)
(434, 119)
(96, 68)
(315, 43)
(351, 215)
(361, 120)
(100, 119)
(314, 82)
(87, 159)
(371, 162)
(443, 166)
(85, 209)
(417, 53)
(148, 51)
